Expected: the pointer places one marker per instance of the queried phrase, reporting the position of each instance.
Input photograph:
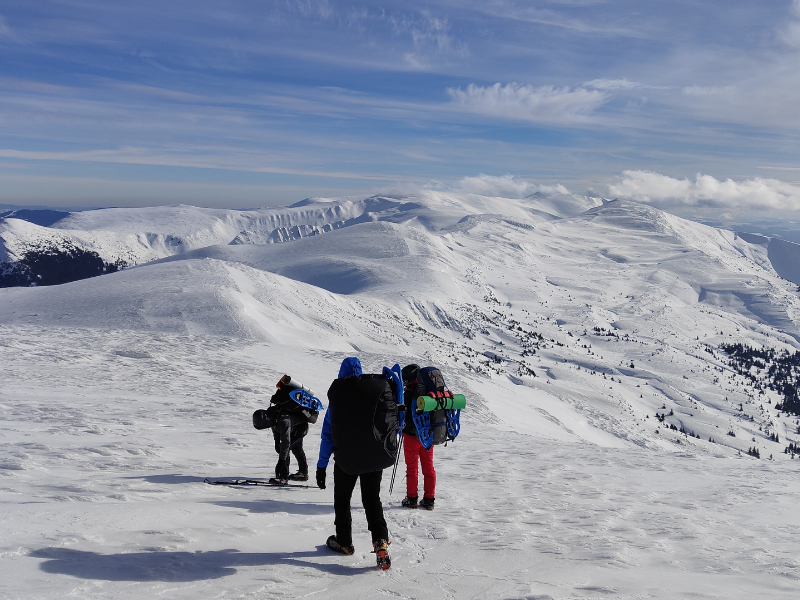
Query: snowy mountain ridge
(497, 294)
(139, 235)
(589, 338)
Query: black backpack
(364, 423)
(265, 418)
(432, 426)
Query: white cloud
(429, 34)
(790, 33)
(699, 90)
(706, 191)
(431, 29)
(316, 9)
(212, 158)
(612, 84)
(5, 31)
(528, 103)
(506, 186)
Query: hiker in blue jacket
(346, 436)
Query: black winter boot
(409, 502)
(337, 547)
(427, 503)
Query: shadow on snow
(260, 506)
(277, 506)
(178, 566)
(171, 479)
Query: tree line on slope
(777, 371)
(52, 264)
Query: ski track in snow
(120, 394)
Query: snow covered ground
(567, 330)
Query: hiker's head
(351, 367)
(410, 372)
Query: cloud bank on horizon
(684, 196)
(706, 191)
(253, 104)
(505, 186)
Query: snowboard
(254, 483)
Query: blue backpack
(436, 426)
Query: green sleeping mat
(426, 403)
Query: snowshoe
(427, 503)
(337, 547)
(277, 481)
(409, 502)
(381, 550)
(299, 476)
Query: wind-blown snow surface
(122, 392)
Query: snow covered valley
(603, 454)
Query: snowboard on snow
(254, 483)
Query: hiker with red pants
(414, 452)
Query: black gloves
(321, 478)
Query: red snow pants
(414, 451)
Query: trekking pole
(397, 460)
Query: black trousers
(289, 432)
(343, 486)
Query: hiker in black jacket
(360, 430)
(291, 426)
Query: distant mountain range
(606, 312)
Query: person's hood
(351, 367)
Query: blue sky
(685, 104)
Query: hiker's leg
(371, 499)
(300, 455)
(298, 433)
(411, 448)
(343, 485)
(428, 472)
(284, 427)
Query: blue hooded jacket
(351, 367)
